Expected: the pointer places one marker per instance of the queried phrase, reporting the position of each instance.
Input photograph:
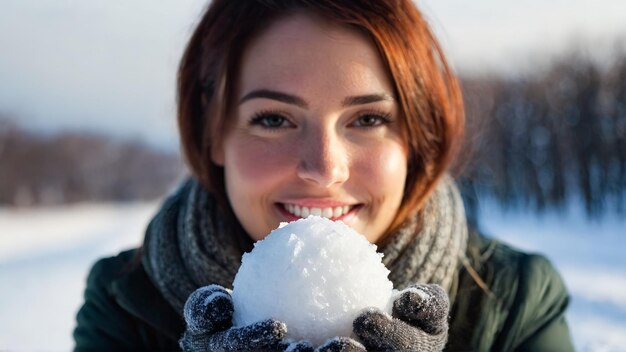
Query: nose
(323, 159)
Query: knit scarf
(188, 244)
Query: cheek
(384, 167)
(255, 165)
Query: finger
(295, 346)
(341, 344)
(424, 306)
(208, 309)
(287, 345)
(191, 342)
(264, 334)
(380, 332)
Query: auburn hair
(426, 89)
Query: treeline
(540, 140)
(39, 169)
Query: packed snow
(45, 255)
(314, 274)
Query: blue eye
(270, 120)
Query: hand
(341, 344)
(419, 322)
(208, 313)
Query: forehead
(301, 52)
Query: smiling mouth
(328, 212)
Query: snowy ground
(44, 259)
(45, 255)
(590, 254)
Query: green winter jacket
(506, 301)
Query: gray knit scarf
(188, 245)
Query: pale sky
(109, 65)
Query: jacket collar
(135, 293)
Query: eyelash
(383, 117)
(257, 119)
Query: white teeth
(328, 212)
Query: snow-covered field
(45, 255)
(591, 256)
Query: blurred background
(88, 144)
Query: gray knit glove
(341, 344)
(419, 322)
(209, 312)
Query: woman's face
(316, 130)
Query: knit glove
(208, 313)
(419, 322)
(341, 344)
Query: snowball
(315, 275)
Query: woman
(345, 109)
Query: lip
(317, 204)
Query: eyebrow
(366, 99)
(274, 95)
(295, 100)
